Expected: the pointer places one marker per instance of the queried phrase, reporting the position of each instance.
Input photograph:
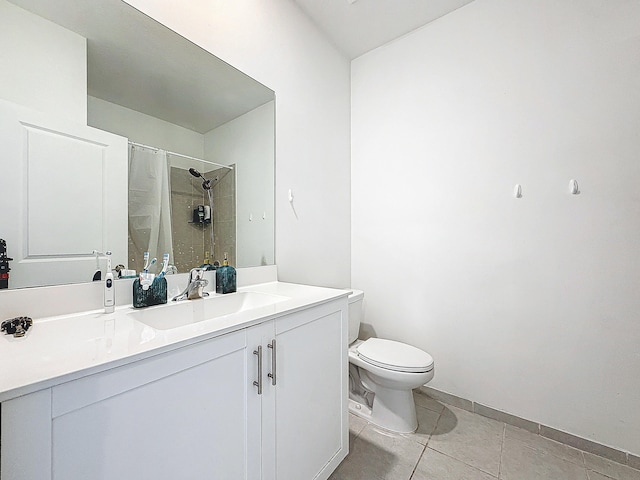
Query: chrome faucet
(195, 287)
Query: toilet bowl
(382, 376)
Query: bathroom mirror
(160, 93)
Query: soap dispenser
(207, 262)
(225, 277)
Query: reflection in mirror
(95, 65)
(182, 206)
(66, 196)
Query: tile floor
(453, 444)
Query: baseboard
(619, 456)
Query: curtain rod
(135, 144)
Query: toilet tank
(355, 314)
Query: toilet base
(360, 410)
(394, 410)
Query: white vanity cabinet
(195, 412)
(181, 414)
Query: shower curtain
(149, 205)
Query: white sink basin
(163, 316)
(189, 312)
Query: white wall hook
(517, 191)
(573, 187)
(290, 196)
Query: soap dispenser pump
(225, 277)
(109, 288)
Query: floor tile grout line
(424, 449)
(442, 404)
(457, 459)
(426, 445)
(430, 409)
(463, 462)
(504, 434)
(362, 429)
(548, 452)
(539, 426)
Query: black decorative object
(156, 294)
(4, 265)
(16, 326)
(201, 215)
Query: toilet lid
(395, 356)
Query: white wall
(141, 128)
(44, 66)
(528, 305)
(247, 142)
(277, 45)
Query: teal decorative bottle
(225, 277)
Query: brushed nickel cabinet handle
(258, 383)
(272, 375)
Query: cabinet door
(258, 337)
(181, 415)
(311, 395)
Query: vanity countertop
(66, 347)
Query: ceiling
(184, 85)
(185, 75)
(357, 26)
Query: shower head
(206, 184)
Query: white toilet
(382, 375)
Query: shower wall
(224, 214)
(192, 240)
(188, 237)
